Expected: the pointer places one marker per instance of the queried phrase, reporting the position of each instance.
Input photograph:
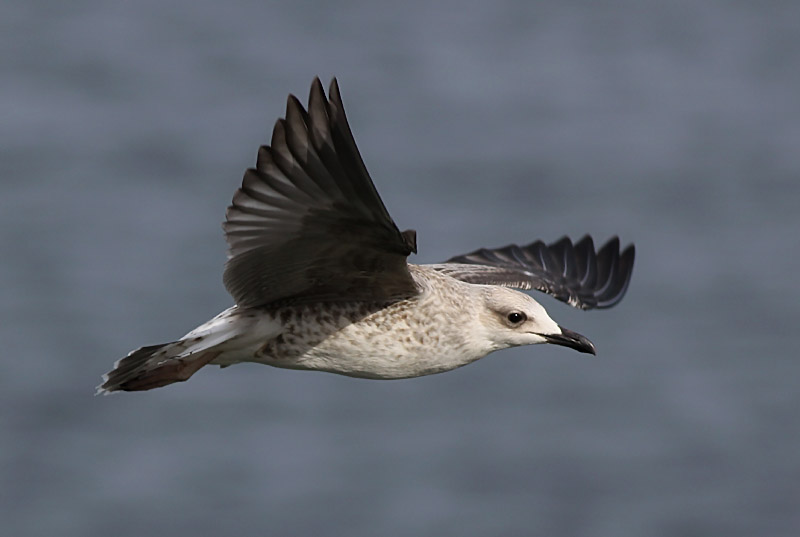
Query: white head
(512, 318)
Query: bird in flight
(319, 273)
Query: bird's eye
(516, 317)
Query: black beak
(571, 339)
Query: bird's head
(512, 318)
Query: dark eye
(516, 317)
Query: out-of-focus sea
(126, 127)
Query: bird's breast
(407, 338)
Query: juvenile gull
(318, 271)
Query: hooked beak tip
(573, 340)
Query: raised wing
(574, 274)
(307, 222)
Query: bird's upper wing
(307, 222)
(574, 274)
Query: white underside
(446, 326)
(239, 338)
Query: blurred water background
(126, 127)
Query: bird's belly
(367, 351)
(407, 338)
(373, 362)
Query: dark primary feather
(573, 273)
(307, 222)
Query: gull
(319, 274)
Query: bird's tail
(154, 366)
(158, 365)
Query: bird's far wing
(575, 274)
(307, 222)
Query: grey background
(126, 128)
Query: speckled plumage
(319, 273)
(423, 334)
